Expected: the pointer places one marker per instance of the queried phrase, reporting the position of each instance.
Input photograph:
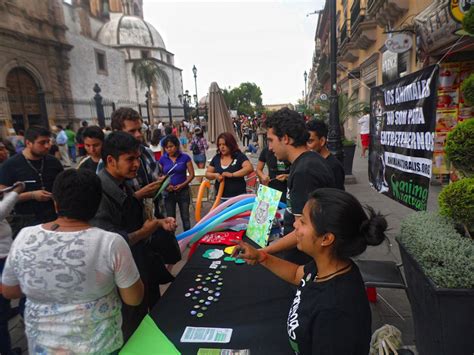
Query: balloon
(220, 219)
(219, 194)
(198, 227)
(230, 206)
(226, 204)
(205, 184)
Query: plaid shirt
(201, 143)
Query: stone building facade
(53, 52)
(34, 64)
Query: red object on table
(218, 238)
(371, 294)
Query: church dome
(130, 31)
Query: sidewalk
(395, 213)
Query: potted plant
(349, 107)
(438, 257)
(349, 148)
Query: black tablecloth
(253, 302)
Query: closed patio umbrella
(219, 117)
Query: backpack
(195, 148)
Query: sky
(267, 42)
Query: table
(253, 302)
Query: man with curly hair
(287, 136)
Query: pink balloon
(226, 204)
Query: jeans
(72, 153)
(182, 198)
(5, 342)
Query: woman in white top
(70, 273)
(6, 206)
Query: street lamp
(334, 134)
(196, 93)
(195, 79)
(185, 99)
(305, 75)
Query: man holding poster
(402, 124)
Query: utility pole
(334, 134)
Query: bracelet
(265, 256)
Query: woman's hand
(226, 174)
(170, 188)
(282, 177)
(248, 253)
(219, 177)
(178, 187)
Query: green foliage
(445, 256)
(456, 201)
(349, 106)
(149, 73)
(246, 98)
(467, 89)
(468, 21)
(460, 147)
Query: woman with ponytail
(330, 313)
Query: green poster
(263, 212)
(149, 339)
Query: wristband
(265, 256)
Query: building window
(101, 62)
(145, 54)
(168, 58)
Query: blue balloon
(221, 219)
(198, 227)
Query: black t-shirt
(89, 164)
(338, 171)
(17, 169)
(233, 186)
(332, 317)
(309, 172)
(275, 167)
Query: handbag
(165, 244)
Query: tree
(348, 107)
(148, 73)
(246, 98)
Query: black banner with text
(402, 125)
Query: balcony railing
(370, 4)
(343, 37)
(357, 15)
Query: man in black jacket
(121, 212)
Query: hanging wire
(353, 76)
(450, 49)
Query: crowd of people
(86, 248)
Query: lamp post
(305, 75)
(195, 80)
(170, 114)
(185, 99)
(334, 134)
